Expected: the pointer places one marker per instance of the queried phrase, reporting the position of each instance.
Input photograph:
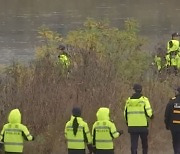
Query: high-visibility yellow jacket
(178, 60)
(173, 61)
(104, 130)
(136, 111)
(173, 45)
(173, 48)
(64, 60)
(82, 137)
(13, 133)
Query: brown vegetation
(101, 75)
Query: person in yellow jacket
(64, 60)
(103, 132)
(14, 133)
(137, 111)
(173, 44)
(173, 48)
(63, 57)
(77, 134)
(64, 63)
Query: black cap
(175, 34)
(76, 112)
(137, 87)
(61, 47)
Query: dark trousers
(98, 151)
(76, 151)
(134, 142)
(176, 142)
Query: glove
(120, 132)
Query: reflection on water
(20, 19)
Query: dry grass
(45, 93)
(46, 97)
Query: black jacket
(172, 114)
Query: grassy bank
(105, 62)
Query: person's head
(103, 113)
(76, 112)
(14, 116)
(175, 36)
(137, 88)
(61, 47)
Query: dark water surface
(20, 19)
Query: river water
(20, 20)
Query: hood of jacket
(103, 114)
(14, 116)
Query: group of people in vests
(171, 60)
(137, 113)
